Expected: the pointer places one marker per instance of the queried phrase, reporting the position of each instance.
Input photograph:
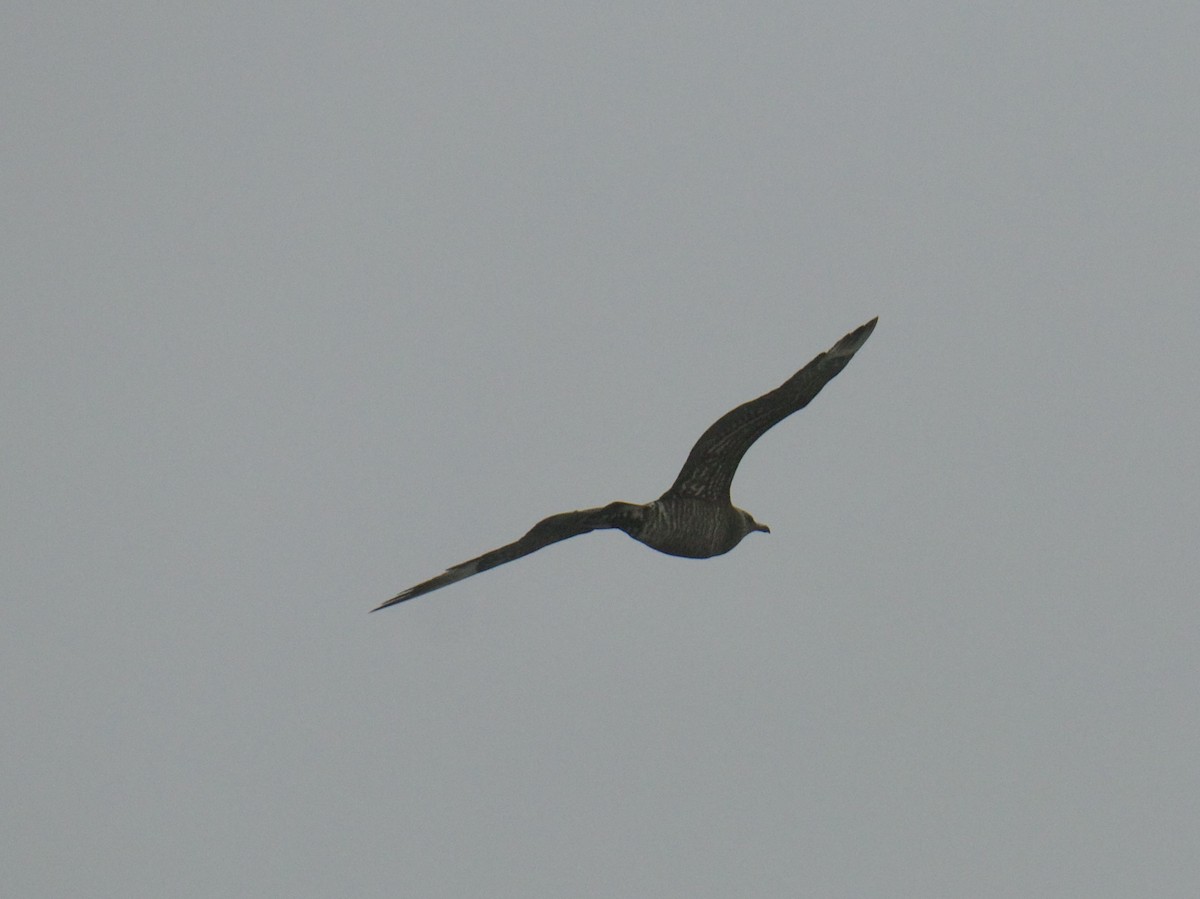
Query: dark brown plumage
(695, 518)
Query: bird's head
(752, 525)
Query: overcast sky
(303, 303)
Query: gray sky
(303, 303)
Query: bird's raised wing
(625, 516)
(714, 459)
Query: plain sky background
(303, 303)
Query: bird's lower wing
(547, 531)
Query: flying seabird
(695, 518)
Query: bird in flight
(695, 518)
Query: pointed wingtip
(391, 602)
(852, 342)
(449, 576)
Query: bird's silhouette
(694, 518)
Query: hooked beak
(762, 527)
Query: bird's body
(695, 517)
(693, 527)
